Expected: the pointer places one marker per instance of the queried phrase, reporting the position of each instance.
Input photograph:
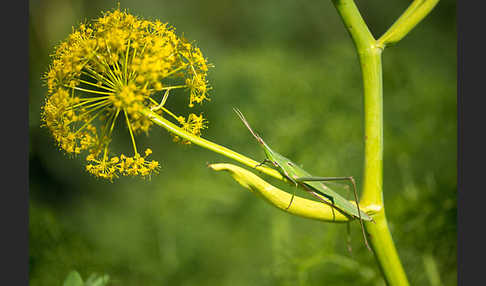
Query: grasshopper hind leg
(359, 212)
(350, 179)
(291, 200)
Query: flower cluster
(105, 73)
(194, 124)
(128, 166)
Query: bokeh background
(290, 66)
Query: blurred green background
(291, 68)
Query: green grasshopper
(313, 185)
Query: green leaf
(73, 279)
(95, 280)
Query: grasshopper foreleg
(291, 199)
(263, 163)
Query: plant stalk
(174, 129)
(372, 195)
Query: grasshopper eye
(290, 164)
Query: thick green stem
(372, 195)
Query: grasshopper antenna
(242, 117)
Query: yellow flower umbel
(109, 70)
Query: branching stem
(369, 52)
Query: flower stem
(172, 128)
